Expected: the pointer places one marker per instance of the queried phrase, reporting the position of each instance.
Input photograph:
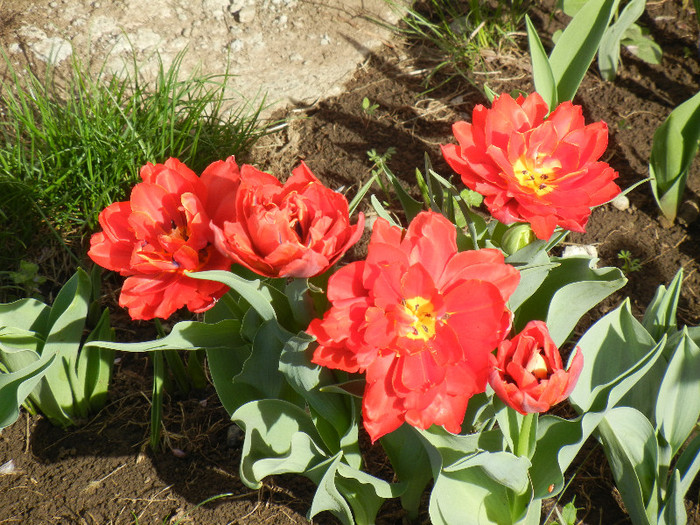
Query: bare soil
(104, 473)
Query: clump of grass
(69, 147)
(456, 31)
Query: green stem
(195, 369)
(523, 446)
(157, 398)
(175, 364)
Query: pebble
(580, 250)
(621, 202)
(247, 14)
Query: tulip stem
(525, 438)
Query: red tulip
(421, 319)
(528, 374)
(545, 171)
(152, 239)
(299, 229)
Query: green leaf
(26, 314)
(674, 512)
(577, 46)
(673, 149)
(604, 362)
(534, 265)
(307, 379)
(678, 402)
(411, 206)
(328, 497)
(609, 52)
(688, 465)
(569, 291)
(480, 492)
(660, 315)
(364, 492)
(410, 463)
(61, 397)
(255, 292)
(630, 445)
(279, 438)
(16, 386)
(260, 378)
(185, 335)
(593, 399)
(381, 211)
(641, 45)
(542, 74)
(95, 365)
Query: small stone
(8, 468)
(236, 46)
(247, 14)
(178, 453)
(325, 40)
(580, 250)
(621, 202)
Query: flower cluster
(176, 222)
(418, 317)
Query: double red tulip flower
(421, 319)
(176, 222)
(530, 167)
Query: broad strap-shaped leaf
(410, 462)
(364, 492)
(593, 399)
(673, 513)
(26, 314)
(577, 46)
(630, 445)
(279, 438)
(480, 490)
(688, 465)
(569, 291)
(609, 52)
(660, 315)
(307, 378)
(95, 365)
(66, 322)
(17, 385)
(534, 265)
(542, 74)
(256, 292)
(673, 149)
(185, 335)
(678, 400)
(613, 346)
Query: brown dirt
(104, 473)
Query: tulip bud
(517, 236)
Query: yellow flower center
(537, 366)
(536, 174)
(421, 311)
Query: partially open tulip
(296, 229)
(421, 319)
(528, 374)
(534, 168)
(154, 237)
